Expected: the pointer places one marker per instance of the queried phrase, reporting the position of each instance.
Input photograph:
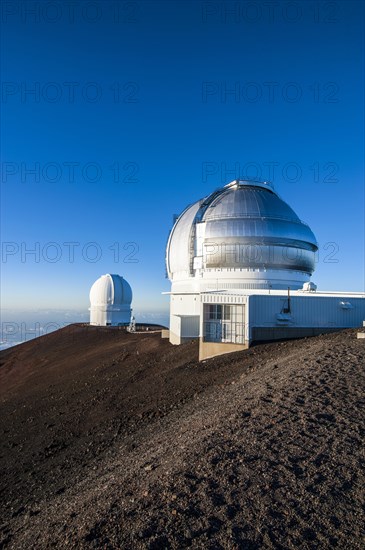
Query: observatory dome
(110, 299)
(242, 230)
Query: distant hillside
(116, 440)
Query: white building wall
(97, 317)
(310, 313)
(307, 311)
(175, 329)
(184, 317)
(103, 316)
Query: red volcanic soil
(115, 440)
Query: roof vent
(309, 287)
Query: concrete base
(176, 340)
(361, 335)
(165, 333)
(211, 349)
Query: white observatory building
(240, 263)
(110, 301)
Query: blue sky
(135, 115)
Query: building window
(218, 312)
(223, 323)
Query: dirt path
(259, 449)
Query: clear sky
(116, 115)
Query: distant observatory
(240, 263)
(110, 301)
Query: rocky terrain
(122, 441)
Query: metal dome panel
(178, 254)
(244, 225)
(249, 202)
(261, 231)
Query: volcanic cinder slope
(115, 440)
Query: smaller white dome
(110, 301)
(110, 290)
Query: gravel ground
(113, 440)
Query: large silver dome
(246, 226)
